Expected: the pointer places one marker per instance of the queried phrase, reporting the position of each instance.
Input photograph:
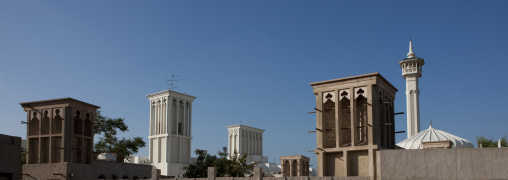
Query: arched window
(33, 125)
(286, 170)
(382, 120)
(294, 168)
(345, 120)
(328, 120)
(88, 126)
(361, 119)
(78, 124)
(56, 125)
(45, 123)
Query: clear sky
(252, 61)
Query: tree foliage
(227, 165)
(490, 142)
(109, 143)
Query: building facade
(59, 130)
(354, 118)
(170, 131)
(245, 140)
(294, 166)
(248, 140)
(60, 138)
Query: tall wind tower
(411, 71)
(170, 131)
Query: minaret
(411, 71)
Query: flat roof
(169, 92)
(244, 126)
(354, 77)
(25, 104)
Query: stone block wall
(460, 163)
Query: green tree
(108, 142)
(227, 165)
(232, 165)
(490, 142)
(200, 168)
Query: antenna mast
(172, 81)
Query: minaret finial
(431, 123)
(411, 53)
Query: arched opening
(78, 127)
(345, 120)
(285, 169)
(382, 121)
(45, 124)
(294, 168)
(88, 126)
(174, 120)
(56, 125)
(33, 125)
(180, 119)
(361, 119)
(102, 177)
(328, 120)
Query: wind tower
(170, 131)
(411, 71)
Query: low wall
(96, 169)
(460, 163)
(10, 157)
(257, 176)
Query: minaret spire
(411, 54)
(411, 71)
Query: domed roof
(431, 135)
(106, 156)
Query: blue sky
(252, 61)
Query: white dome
(107, 157)
(431, 135)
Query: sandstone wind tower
(411, 71)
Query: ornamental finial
(411, 54)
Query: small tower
(411, 71)
(59, 130)
(170, 131)
(245, 140)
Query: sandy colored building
(354, 119)
(60, 137)
(294, 166)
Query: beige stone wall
(87, 171)
(460, 163)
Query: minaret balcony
(408, 71)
